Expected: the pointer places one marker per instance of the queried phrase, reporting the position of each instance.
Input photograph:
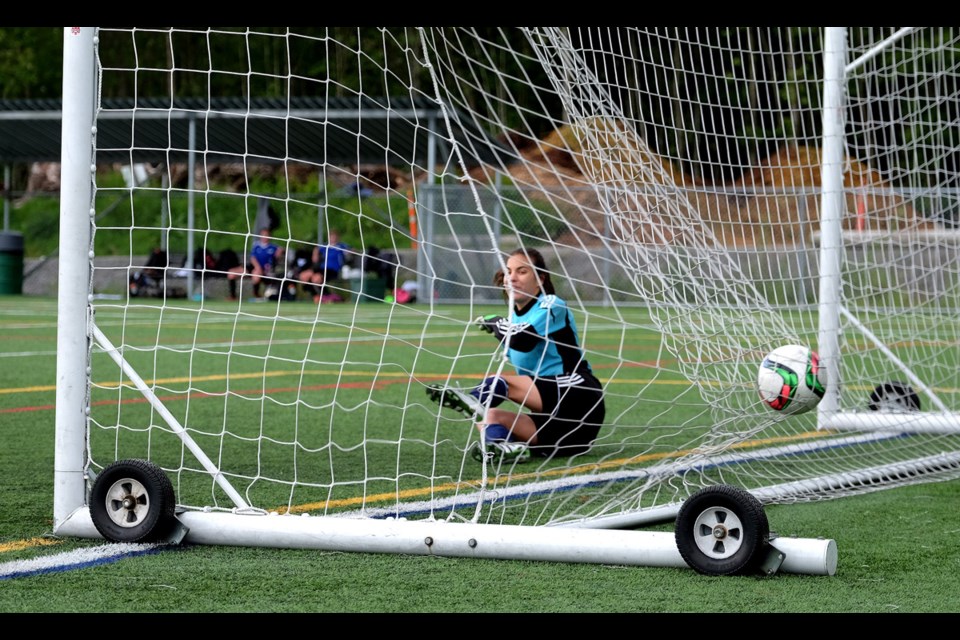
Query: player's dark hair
(539, 266)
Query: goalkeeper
(553, 381)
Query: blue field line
(79, 559)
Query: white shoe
(500, 451)
(456, 399)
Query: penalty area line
(79, 559)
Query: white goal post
(701, 196)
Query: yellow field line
(566, 471)
(19, 545)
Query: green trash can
(369, 288)
(11, 263)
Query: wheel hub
(127, 502)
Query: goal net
(700, 195)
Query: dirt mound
(776, 202)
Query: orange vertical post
(861, 211)
(412, 215)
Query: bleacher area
(111, 277)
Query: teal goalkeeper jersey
(543, 339)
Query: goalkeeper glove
(487, 323)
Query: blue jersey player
(264, 257)
(553, 380)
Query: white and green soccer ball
(790, 380)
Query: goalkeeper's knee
(493, 388)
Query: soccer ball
(790, 380)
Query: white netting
(671, 179)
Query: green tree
(31, 62)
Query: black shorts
(328, 274)
(571, 417)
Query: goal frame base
(458, 540)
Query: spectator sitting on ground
(217, 267)
(203, 259)
(327, 262)
(264, 257)
(149, 280)
(330, 258)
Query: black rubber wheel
(133, 501)
(722, 530)
(894, 396)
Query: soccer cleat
(477, 451)
(517, 452)
(501, 451)
(456, 399)
(493, 389)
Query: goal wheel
(722, 530)
(133, 501)
(894, 396)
